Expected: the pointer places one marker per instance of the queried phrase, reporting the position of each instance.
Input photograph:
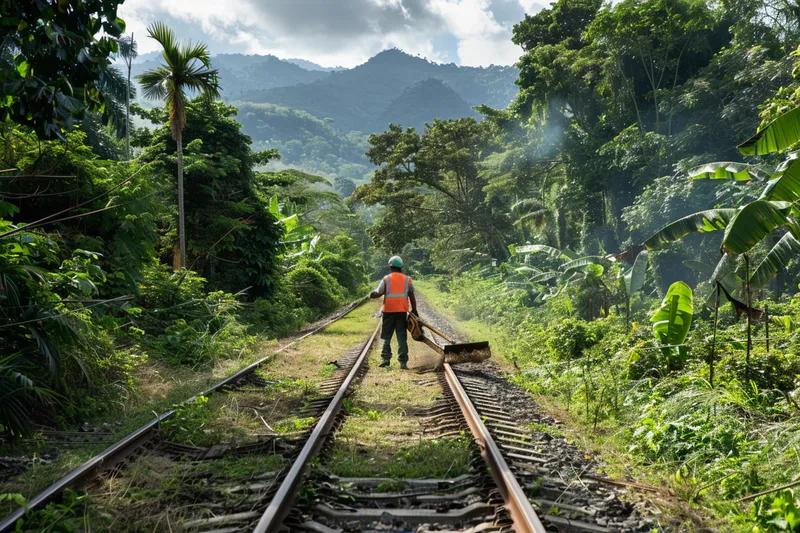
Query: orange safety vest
(395, 299)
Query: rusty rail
(524, 516)
(282, 502)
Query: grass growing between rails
(155, 493)
(706, 446)
(159, 385)
(382, 437)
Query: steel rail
(524, 516)
(283, 499)
(118, 451)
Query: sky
(340, 32)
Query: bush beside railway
(713, 444)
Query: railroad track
(510, 487)
(142, 438)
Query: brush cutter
(468, 352)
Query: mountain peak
(394, 55)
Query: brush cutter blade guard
(466, 347)
(453, 353)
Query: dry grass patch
(155, 491)
(310, 358)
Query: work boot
(403, 365)
(384, 363)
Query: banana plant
(299, 238)
(671, 323)
(746, 226)
(632, 281)
(548, 283)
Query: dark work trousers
(394, 323)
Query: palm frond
(198, 51)
(168, 41)
(155, 83)
(127, 48)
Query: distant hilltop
(363, 97)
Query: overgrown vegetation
(90, 279)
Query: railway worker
(397, 290)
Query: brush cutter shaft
(433, 329)
(452, 347)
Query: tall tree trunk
(128, 108)
(181, 217)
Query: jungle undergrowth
(709, 444)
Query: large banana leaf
(702, 222)
(672, 321)
(785, 185)
(633, 279)
(777, 136)
(777, 258)
(537, 248)
(578, 264)
(752, 223)
(726, 170)
(705, 270)
(724, 273)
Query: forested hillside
(318, 115)
(356, 98)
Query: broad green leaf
(777, 258)
(672, 321)
(537, 248)
(634, 277)
(705, 270)
(701, 222)
(545, 276)
(777, 136)
(274, 207)
(593, 270)
(528, 270)
(785, 185)
(290, 223)
(752, 223)
(579, 263)
(726, 170)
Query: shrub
(315, 287)
(280, 315)
(570, 337)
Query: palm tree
(188, 67)
(128, 52)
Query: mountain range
(305, 109)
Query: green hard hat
(396, 261)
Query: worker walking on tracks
(397, 290)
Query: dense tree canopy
(54, 60)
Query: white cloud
(481, 39)
(330, 32)
(532, 6)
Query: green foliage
(315, 287)
(227, 221)
(188, 423)
(777, 512)
(569, 338)
(672, 321)
(185, 323)
(54, 61)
